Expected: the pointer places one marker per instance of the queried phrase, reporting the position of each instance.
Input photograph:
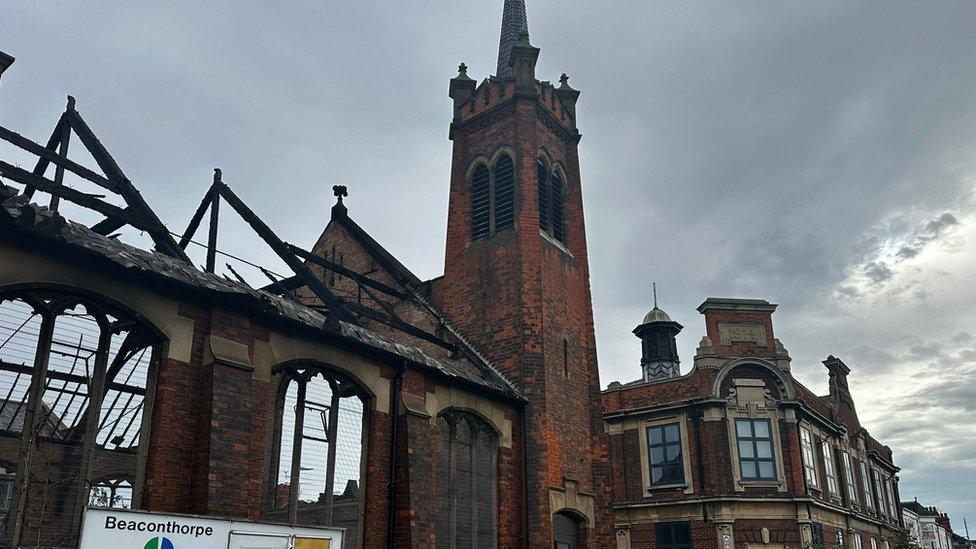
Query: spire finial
(339, 191)
(654, 285)
(514, 26)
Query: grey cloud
(932, 231)
(878, 272)
(963, 337)
(729, 149)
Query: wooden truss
(136, 213)
(139, 215)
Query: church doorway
(566, 531)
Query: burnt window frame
(447, 503)
(672, 471)
(52, 302)
(754, 440)
(342, 386)
(113, 484)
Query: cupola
(659, 350)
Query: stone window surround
(645, 461)
(754, 411)
(490, 162)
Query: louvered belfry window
(504, 193)
(492, 198)
(542, 175)
(556, 205)
(480, 203)
(550, 201)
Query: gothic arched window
(466, 482)
(551, 190)
(319, 451)
(492, 198)
(74, 371)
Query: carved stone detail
(746, 333)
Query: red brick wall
(519, 297)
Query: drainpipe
(394, 443)
(525, 475)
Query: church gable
(389, 299)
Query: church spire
(514, 26)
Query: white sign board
(113, 528)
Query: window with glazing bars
(816, 532)
(849, 475)
(878, 491)
(673, 535)
(465, 479)
(809, 465)
(866, 486)
(890, 496)
(664, 453)
(828, 456)
(755, 440)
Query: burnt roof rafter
(219, 190)
(136, 213)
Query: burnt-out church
(459, 412)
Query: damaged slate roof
(19, 214)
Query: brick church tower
(516, 278)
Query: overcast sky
(818, 155)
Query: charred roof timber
(345, 319)
(5, 61)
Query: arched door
(566, 530)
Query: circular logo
(159, 543)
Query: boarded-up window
(466, 482)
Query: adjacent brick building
(737, 452)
